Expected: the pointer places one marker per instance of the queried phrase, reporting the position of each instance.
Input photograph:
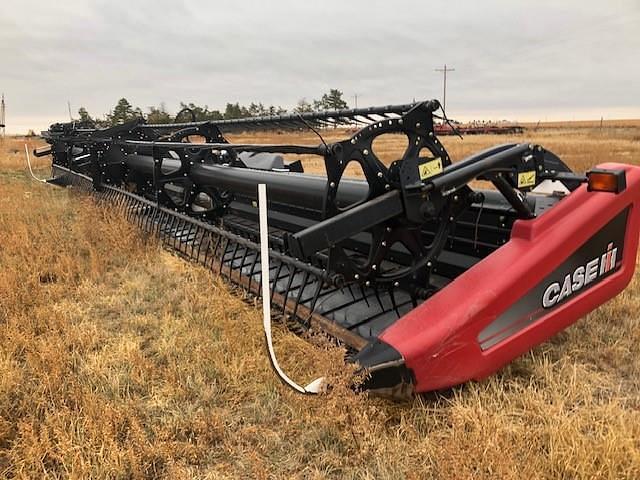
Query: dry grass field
(120, 360)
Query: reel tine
(288, 289)
(233, 257)
(161, 223)
(189, 240)
(260, 277)
(392, 296)
(194, 241)
(127, 206)
(377, 294)
(351, 292)
(224, 252)
(364, 296)
(144, 218)
(251, 270)
(133, 209)
(275, 280)
(178, 234)
(208, 239)
(168, 226)
(140, 217)
(174, 227)
(214, 255)
(244, 258)
(152, 220)
(305, 280)
(200, 235)
(316, 295)
(174, 231)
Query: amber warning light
(600, 180)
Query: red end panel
(554, 270)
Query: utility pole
(69, 106)
(2, 124)
(355, 99)
(444, 75)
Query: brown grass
(580, 147)
(119, 360)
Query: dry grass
(119, 360)
(580, 146)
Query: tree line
(124, 111)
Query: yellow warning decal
(526, 179)
(430, 168)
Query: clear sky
(526, 60)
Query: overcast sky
(533, 60)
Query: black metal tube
(518, 204)
(143, 146)
(308, 116)
(460, 174)
(302, 190)
(307, 191)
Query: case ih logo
(580, 278)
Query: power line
(444, 75)
(2, 124)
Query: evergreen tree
(257, 110)
(201, 113)
(234, 110)
(303, 106)
(330, 101)
(123, 112)
(159, 115)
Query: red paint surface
(438, 339)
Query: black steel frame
(386, 232)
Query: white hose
(318, 385)
(26, 150)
